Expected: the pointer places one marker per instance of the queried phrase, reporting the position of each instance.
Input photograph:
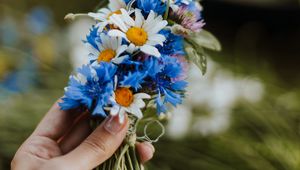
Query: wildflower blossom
(133, 79)
(124, 100)
(104, 14)
(93, 37)
(174, 44)
(92, 88)
(147, 6)
(164, 78)
(188, 18)
(106, 49)
(141, 34)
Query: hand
(63, 140)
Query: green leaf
(205, 39)
(197, 56)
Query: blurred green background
(246, 111)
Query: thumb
(99, 146)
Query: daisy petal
(97, 16)
(101, 26)
(115, 110)
(158, 38)
(151, 16)
(131, 48)
(117, 33)
(92, 50)
(136, 111)
(159, 26)
(142, 96)
(150, 50)
(121, 49)
(95, 64)
(139, 19)
(116, 20)
(139, 103)
(119, 60)
(122, 115)
(127, 18)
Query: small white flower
(141, 33)
(103, 15)
(108, 50)
(124, 101)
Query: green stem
(110, 163)
(134, 157)
(102, 167)
(123, 163)
(171, 22)
(123, 151)
(167, 10)
(129, 159)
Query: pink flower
(189, 17)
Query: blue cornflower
(173, 44)
(93, 38)
(91, 88)
(163, 78)
(134, 75)
(155, 5)
(133, 79)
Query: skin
(64, 140)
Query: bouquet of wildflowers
(139, 52)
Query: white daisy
(126, 102)
(108, 50)
(103, 15)
(141, 33)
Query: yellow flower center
(106, 55)
(137, 36)
(116, 12)
(124, 96)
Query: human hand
(63, 140)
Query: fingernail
(112, 125)
(150, 146)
